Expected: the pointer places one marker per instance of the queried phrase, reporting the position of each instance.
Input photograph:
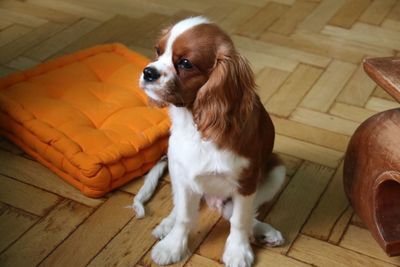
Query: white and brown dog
(221, 140)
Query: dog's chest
(201, 163)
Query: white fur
(271, 185)
(200, 164)
(264, 233)
(165, 226)
(148, 188)
(238, 252)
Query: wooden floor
(306, 55)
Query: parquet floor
(306, 55)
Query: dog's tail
(149, 186)
(275, 178)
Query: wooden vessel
(372, 162)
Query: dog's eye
(184, 64)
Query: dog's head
(197, 67)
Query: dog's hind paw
(267, 235)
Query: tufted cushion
(84, 117)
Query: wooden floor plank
(287, 23)
(13, 32)
(365, 33)
(281, 51)
(4, 71)
(133, 9)
(237, 17)
(15, 48)
(41, 239)
(356, 220)
(326, 89)
(194, 6)
(76, 9)
(321, 15)
(321, 253)
(268, 81)
(21, 18)
(199, 261)
(150, 33)
(57, 16)
(213, 245)
(265, 256)
(350, 112)
(23, 63)
(4, 23)
(358, 89)
(97, 231)
(360, 240)
(341, 226)
(122, 29)
(310, 134)
(326, 45)
(113, 30)
(330, 207)
(13, 223)
(307, 151)
(377, 11)
(349, 13)
(391, 24)
(10, 147)
(286, 2)
(381, 93)
(395, 12)
(291, 93)
(379, 104)
(26, 197)
(297, 201)
(324, 121)
(219, 12)
(259, 61)
(257, 24)
(135, 239)
(147, 52)
(62, 39)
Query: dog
(221, 141)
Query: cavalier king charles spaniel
(221, 141)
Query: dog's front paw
(169, 251)
(238, 254)
(163, 229)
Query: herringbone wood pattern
(307, 58)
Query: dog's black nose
(150, 74)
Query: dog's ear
(225, 101)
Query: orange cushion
(84, 117)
